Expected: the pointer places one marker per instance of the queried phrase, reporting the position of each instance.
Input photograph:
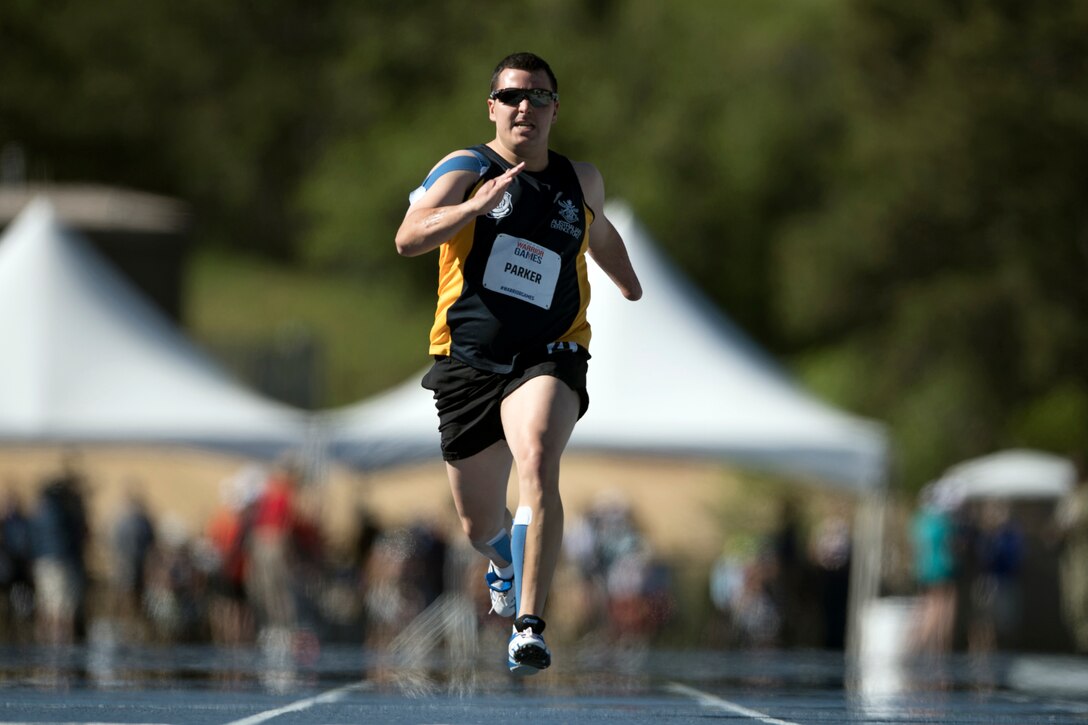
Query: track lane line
(323, 698)
(708, 700)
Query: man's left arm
(605, 243)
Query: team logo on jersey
(504, 208)
(568, 211)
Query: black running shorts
(469, 400)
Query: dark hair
(524, 61)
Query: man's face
(524, 125)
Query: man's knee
(536, 461)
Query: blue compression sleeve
(501, 545)
(522, 519)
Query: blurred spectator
(428, 563)
(59, 535)
(741, 585)
(1071, 519)
(626, 591)
(16, 560)
(175, 594)
(790, 583)
(342, 599)
(366, 535)
(995, 589)
(404, 574)
(934, 535)
(831, 554)
(226, 560)
(640, 598)
(131, 540)
(726, 579)
(270, 585)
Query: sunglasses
(538, 97)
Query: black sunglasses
(538, 97)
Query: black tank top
(515, 280)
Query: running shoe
(526, 653)
(502, 592)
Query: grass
(370, 333)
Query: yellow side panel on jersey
(451, 280)
(579, 330)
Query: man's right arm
(438, 213)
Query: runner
(513, 221)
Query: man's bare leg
(538, 419)
(479, 484)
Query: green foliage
(952, 238)
(890, 194)
(373, 332)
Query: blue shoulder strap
(475, 163)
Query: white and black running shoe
(527, 653)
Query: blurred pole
(866, 563)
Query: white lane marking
(325, 697)
(708, 700)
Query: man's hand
(491, 192)
(438, 215)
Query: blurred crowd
(261, 570)
(977, 549)
(154, 579)
(1000, 574)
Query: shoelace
(500, 591)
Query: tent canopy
(1017, 473)
(87, 359)
(669, 376)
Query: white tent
(1016, 473)
(87, 359)
(669, 376)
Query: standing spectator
(995, 594)
(393, 597)
(175, 592)
(741, 582)
(270, 583)
(934, 535)
(612, 558)
(131, 540)
(789, 583)
(226, 540)
(59, 534)
(16, 557)
(832, 550)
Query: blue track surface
(115, 683)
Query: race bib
(521, 269)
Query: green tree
(946, 265)
(217, 103)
